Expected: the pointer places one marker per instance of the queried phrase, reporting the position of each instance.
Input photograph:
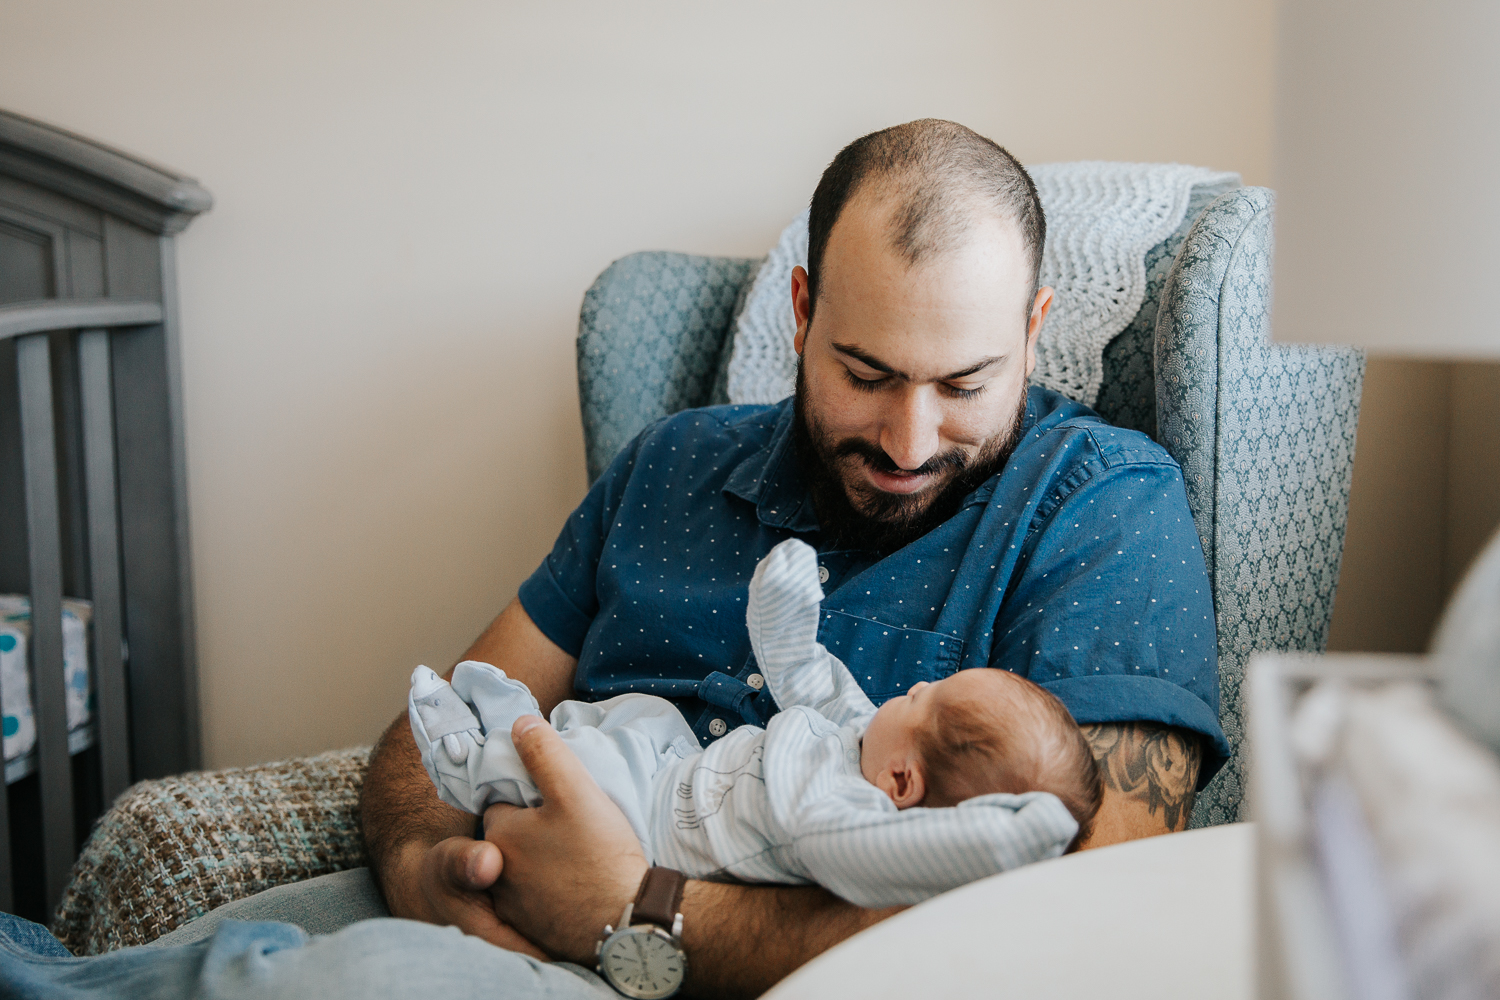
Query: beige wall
(1472, 503)
(1391, 582)
(412, 197)
(383, 432)
(1426, 498)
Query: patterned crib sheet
(15, 677)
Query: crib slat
(7, 885)
(104, 560)
(44, 546)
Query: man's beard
(875, 519)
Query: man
(961, 520)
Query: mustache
(953, 460)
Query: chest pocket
(887, 660)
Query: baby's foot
(498, 700)
(785, 600)
(438, 714)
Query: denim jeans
(375, 958)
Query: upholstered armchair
(1264, 433)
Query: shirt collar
(985, 490)
(770, 479)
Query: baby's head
(975, 732)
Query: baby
(955, 780)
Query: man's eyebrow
(869, 359)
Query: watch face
(641, 964)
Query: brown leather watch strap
(660, 897)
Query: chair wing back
(1264, 432)
(652, 341)
(1265, 436)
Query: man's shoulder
(702, 442)
(1090, 438)
(1069, 451)
(729, 423)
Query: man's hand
(427, 865)
(456, 876)
(430, 875)
(573, 862)
(741, 939)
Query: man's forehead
(947, 312)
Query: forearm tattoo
(1155, 764)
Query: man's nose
(909, 435)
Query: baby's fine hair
(1022, 740)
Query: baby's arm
(876, 857)
(782, 616)
(847, 836)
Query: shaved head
(932, 178)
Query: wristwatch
(644, 958)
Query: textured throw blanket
(1102, 218)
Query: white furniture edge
(1159, 918)
(1298, 957)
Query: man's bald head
(932, 176)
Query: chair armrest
(172, 849)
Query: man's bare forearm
(400, 813)
(743, 939)
(1150, 775)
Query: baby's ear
(907, 786)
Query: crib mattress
(15, 678)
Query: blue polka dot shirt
(1077, 566)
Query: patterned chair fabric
(1264, 433)
(1265, 437)
(652, 341)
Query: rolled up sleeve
(1113, 609)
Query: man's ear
(801, 306)
(905, 785)
(1039, 309)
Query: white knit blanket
(1102, 218)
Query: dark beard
(888, 521)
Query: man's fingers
(465, 865)
(558, 773)
(455, 874)
(495, 814)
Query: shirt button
(756, 681)
(822, 574)
(718, 727)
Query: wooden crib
(93, 500)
